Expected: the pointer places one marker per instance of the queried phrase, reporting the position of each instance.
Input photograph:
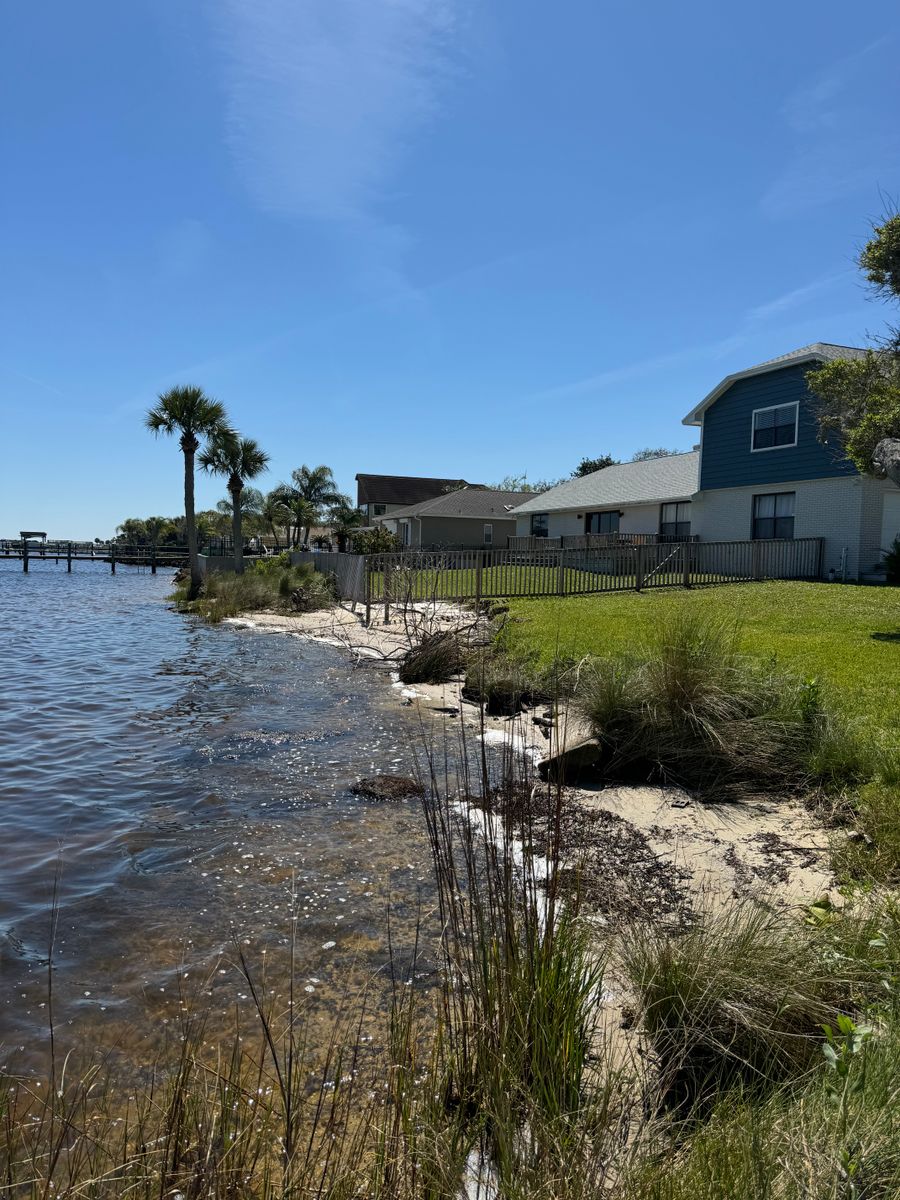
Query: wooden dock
(112, 553)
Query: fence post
(686, 556)
(638, 566)
(368, 577)
(385, 582)
(755, 570)
(479, 567)
(561, 576)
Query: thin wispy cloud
(839, 150)
(795, 298)
(325, 96)
(748, 329)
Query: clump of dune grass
(435, 658)
(743, 997)
(688, 708)
(869, 851)
(506, 683)
(832, 1136)
(271, 584)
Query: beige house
(469, 518)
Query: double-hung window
(489, 534)
(540, 524)
(774, 428)
(378, 510)
(675, 520)
(601, 522)
(773, 515)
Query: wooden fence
(592, 541)
(348, 569)
(452, 576)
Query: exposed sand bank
(641, 851)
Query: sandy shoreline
(679, 852)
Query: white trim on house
(795, 405)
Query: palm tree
(315, 486)
(344, 518)
(271, 512)
(239, 459)
(300, 514)
(192, 415)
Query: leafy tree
(238, 459)
(649, 452)
(189, 414)
(520, 483)
(859, 399)
(132, 532)
(375, 541)
(588, 466)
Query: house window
(404, 532)
(773, 515)
(775, 427)
(540, 524)
(601, 522)
(378, 510)
(675, 520)
(489, 535)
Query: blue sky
(449, 237)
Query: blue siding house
(760, 472)
(764, 473)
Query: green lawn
(846, 636)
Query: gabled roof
(653, 481)
(817, 352)
(401, 489)
(472, 501)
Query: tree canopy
(859, 398)
(649, 452)
(588, 466)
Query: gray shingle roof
(815, 352)
(825, 351)
(475, 502)
(674, 477)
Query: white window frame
(795, 405)
(489, 533)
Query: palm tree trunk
(190, 525)
(236, 533)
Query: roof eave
(695, 416)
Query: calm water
(182, 779)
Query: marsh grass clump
(870, 850)
(688, 708)
(435, 658)
(742, 998)
(506, 683)
(271, 584)
(832, 1136)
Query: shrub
(435, 659)
(375, 541)
(688, 708)
(267, 584)
(891, 562)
